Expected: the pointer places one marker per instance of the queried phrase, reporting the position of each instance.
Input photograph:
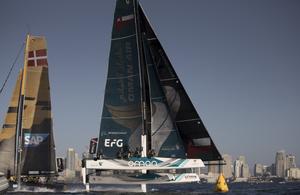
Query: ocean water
(186, 189)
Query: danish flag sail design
(28, 124)
(37, 58)
(144, 96)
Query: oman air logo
(113, 142)
(34, 139)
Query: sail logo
(140, 163)
(113, 142)
(123, 20)
(34, 139)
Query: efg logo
(113, 142)
(34, 139)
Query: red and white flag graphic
(37, 58)
(122, 20)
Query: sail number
(140, 163)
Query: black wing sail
(197, 142)
(121, 122)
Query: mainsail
(121, 122)
(28, 133)
(144, 96)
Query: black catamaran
(148, 120)
(26, 140)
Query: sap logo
(110, 143)
(34, 139)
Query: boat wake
(34, 189)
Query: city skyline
(237, 60)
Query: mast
(20, 113)
(17, 126)
(146, 125)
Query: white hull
(145, 179)
(138, 167)
(143, 164)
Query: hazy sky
(238, 60)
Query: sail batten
(124, 37)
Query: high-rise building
(293, 173)
(227, 169)
(242, 159)
(258, 170)
(241, 168)
(237, 168)
(70, 159)
(290, 161)
(245, 173)
(70, 163)
(280, 164)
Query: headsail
(165, 138)
(195, 136)
(8, 133)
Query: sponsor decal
(140, 163)
(113, 142)
(190, 177)
(34, 139)
(123, 20)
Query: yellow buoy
(221, 185)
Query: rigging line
(11, 68)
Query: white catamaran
(149, 126)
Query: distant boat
(149, 124)
(27, 151)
